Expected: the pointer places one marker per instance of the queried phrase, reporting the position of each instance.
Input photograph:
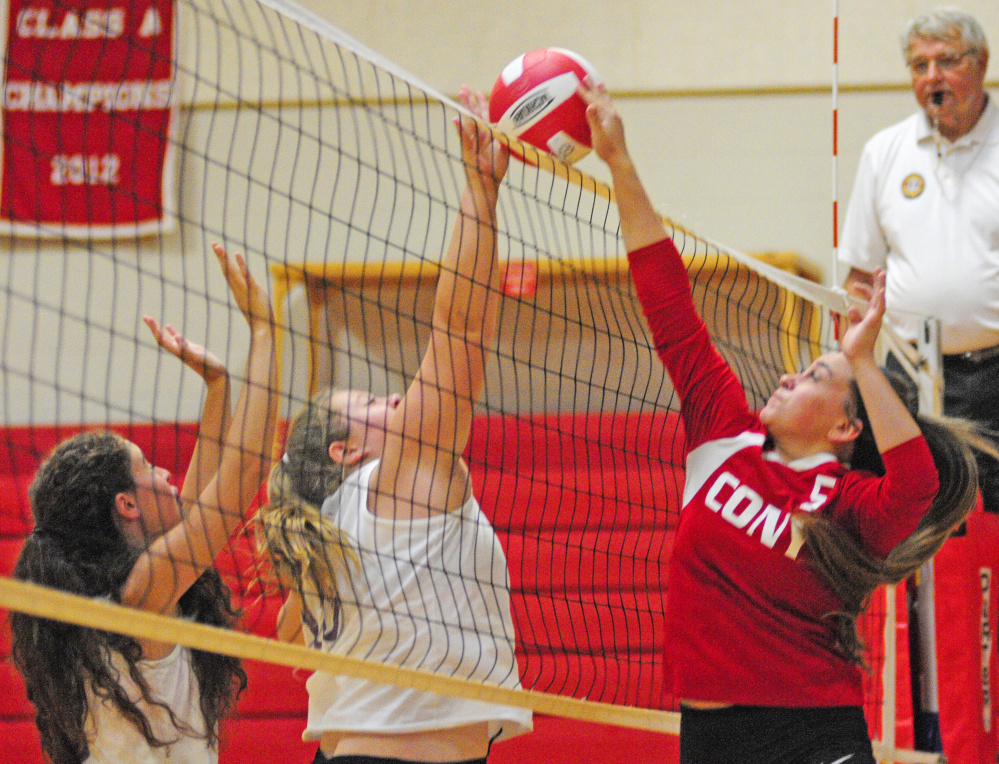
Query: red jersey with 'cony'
(745, 612)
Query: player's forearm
(468, 288)
(246, 455)
(640, 223)
(214, 423)
(891, 423)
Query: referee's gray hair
(946, 24)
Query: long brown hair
(839, 557)
(78, 546)
(304, 549)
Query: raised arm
(430, 428)
(891, 422)
(712, 399)
(174, 561)
(215, 415)
(640, 223)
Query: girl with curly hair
(109, 525)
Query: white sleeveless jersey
(113, 739)
(429, 593)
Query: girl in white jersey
(108, 524)
(791, 516)
(400, 566)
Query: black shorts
(355, 759)
(741, 734)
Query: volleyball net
(339, 176)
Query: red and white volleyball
(535, 100)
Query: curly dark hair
(78, 546)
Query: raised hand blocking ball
(535, 100)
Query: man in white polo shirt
(925, 207)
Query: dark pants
(971, 391)
(743, 734)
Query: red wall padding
(589, 622)
(966, 580)
(634, 679)
(20, 742)
(602, 440)
(10, 548)
(166, 444)
(15, 511)
(273, 691)
(274, 740)
(13, 701)
(578, 499)
(570, 561)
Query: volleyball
(535, 100)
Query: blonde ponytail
(305, 551)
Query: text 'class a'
(91, 24)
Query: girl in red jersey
(791, 516)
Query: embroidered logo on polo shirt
(913, 185)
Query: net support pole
(929, 699)
(929, 378)
(835, 146)
(889, 675)
(930, 371)
(923, 363)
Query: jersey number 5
(818, 498)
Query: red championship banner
(86, 118)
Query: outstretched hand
(250, 296)
(606, 126)
(191, 354)
(486, 157)
(862, 333)
(640, 223)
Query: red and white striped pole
(835, 145)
